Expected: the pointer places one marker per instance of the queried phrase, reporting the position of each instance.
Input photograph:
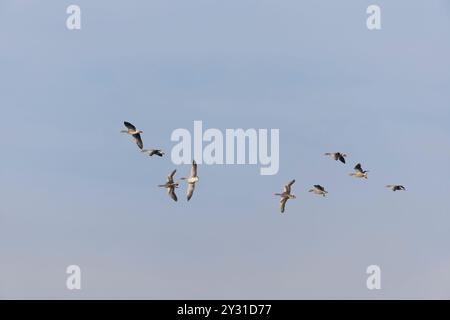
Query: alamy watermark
(73, 281)
(235, 146)
(373, 281)
(73, 21)
(373, 21)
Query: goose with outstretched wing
(396, 187)
(152, 152)
(170, 185)
(136, 134)
(359, 172)
(337, 156)
(318, 189)
(286, 195)
(191, 180)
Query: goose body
(337, 156)
(135, 133)
(191, 180)
(359, 172)
(170, 185)
(285, 195)
(318, 189)
(396, 187)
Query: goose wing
(341, 158)
(319, 187)
(172, 194)
(287, 188)
(129, 126)
(194, 169)
(283, 204)
(190, 190)
(138, 140)
(170, 176)
(359, 168)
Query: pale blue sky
(76, 191)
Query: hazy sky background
(76, 191)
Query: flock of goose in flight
(319, 190)
(171, 184)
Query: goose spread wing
(129, 126)
(190, 190)
(170, 176)
(319, 187)
(138, 139)
(194, 169)
(172, 194)
(283, 204)
(287, 188)
(359, 168)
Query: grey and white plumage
(170, 185)
(191, 180)
(286, 195)
(359, 172)
(136, 134)
(337, 156)
(152, 152)
(396, 187)
(318, 189)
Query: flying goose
(136, 134)
(318, 189)
(170, 185)
(396, 187)
(191, 180)
(337, 156)
(152, 152)
(286, 195)
(359, 172)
